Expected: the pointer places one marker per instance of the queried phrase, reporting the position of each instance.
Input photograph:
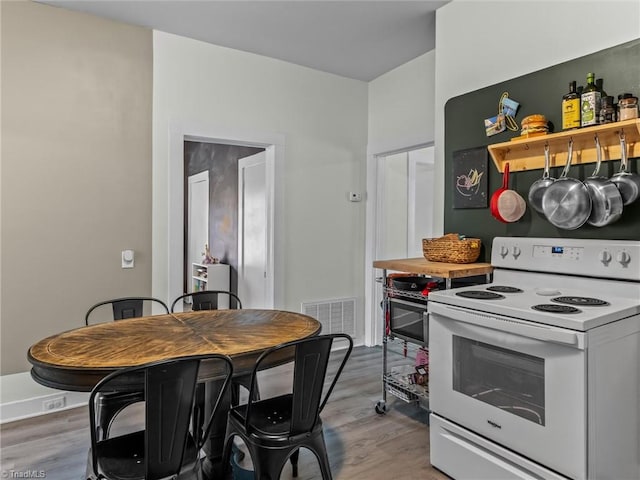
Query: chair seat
(271, 417)
(122, 458)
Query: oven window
(509, 380)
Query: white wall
(401, 106)
(480, 43)
(323, 120)
(394, 207)
(401, 116)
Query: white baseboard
(21, 397)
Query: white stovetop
(540, 288)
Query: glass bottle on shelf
(571, 108)
(607, 110)
(628, 107)
(590, 102)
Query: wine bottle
(590, 102)
(571, 108)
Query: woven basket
(451, 249)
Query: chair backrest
(126, 307)
(169, 388)
(207, 300)
(310, 377)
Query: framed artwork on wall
(470, 178)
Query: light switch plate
(127, 259)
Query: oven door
(520, 384)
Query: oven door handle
(507, 324)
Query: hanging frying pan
(628, 183)
(566, 203)
(536, 191)
(507, 205)
(606, 201)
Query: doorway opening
(399, 215)
(273, 147)
(213, 210)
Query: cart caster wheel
(381, 408)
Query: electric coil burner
(585, 301)
(542, 383)
(553, 308)
(479, 295)
(504, 289)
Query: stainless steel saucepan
(536, 191)
(606, 201)
(628, 183)
(566, 203)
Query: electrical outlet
(54, 404)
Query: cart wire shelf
(413, 294)
(403, 390)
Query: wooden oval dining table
(77, 359)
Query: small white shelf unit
(212, 276)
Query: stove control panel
(618, 259)
(557, 252)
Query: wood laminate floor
(361, 443)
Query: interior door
(252, 231)
(198, 221)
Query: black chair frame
(126, 307)
(275, 428)
(165, 448)
(207, 300)
(111, 404)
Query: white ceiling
(355, 39)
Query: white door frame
(372, 327)
(273, 143)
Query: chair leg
(226, 455)
(319, 448)
(294, 462)
(267, 464)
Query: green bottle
(590, 102)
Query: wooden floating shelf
(528, 153)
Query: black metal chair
(207, 300)
(113, 402)
(165, 447)
(276, 427)
(126, 307)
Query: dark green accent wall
(537, 92)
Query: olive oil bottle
(590, 102)
(571, 108)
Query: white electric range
(536, 375)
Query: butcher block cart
(406, 318)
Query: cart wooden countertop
(434, 269)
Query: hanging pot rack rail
(528, 153)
